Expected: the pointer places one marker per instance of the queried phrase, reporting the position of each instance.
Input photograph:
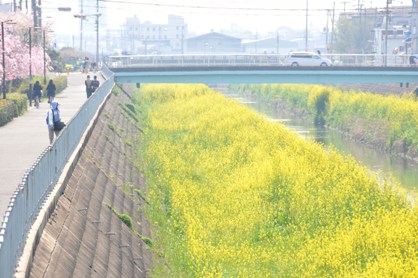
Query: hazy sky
(205, 15)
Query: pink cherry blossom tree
(18, 60)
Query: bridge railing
(250, 60)
(39, 181)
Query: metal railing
(41, 178)
(251, 60)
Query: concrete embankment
(85, 236)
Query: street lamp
(3, 57)
(30, 67)
(43, 33)
(44, 46)
(4, 70)
(30, 64)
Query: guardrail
(40, 179)
(250, 60)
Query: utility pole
(39, 11)
(327, 31)
(306, 27)
(386, 31)
(36, 10)
(35, 18)
(81, 25)
(332, 22)
(344, 3)
(182, 39)
(277, 42)
(97, 33)
(415, 7)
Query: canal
(403, 170)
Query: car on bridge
(296, 59)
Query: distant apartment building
(130, 32)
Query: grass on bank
(233, 195)
(392, 118)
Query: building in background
(131, 33)
(400, 23)
(149, 38)
(213, 43)
(270, 46)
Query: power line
(218, 7)
(237, 10)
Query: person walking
(37, 93)
(94, 84)
(53, 120)
(29, 94)
(50, 90)
(88, 86)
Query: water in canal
(404, 170)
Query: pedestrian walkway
(24, 139)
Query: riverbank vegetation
(233, 195)
(388, 122)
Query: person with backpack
(94, 84)
(53, 120)
(50, 90)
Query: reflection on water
(404, 170)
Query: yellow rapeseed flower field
(234, 195)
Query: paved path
(26, 137)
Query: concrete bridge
(259, 69)
(262, 74)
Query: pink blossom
(16, 47)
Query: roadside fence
(39, 181)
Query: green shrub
(20, 102)
(318, 105)
(6, 111)
(60, 83)
(14, 106)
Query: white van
(296, 59)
